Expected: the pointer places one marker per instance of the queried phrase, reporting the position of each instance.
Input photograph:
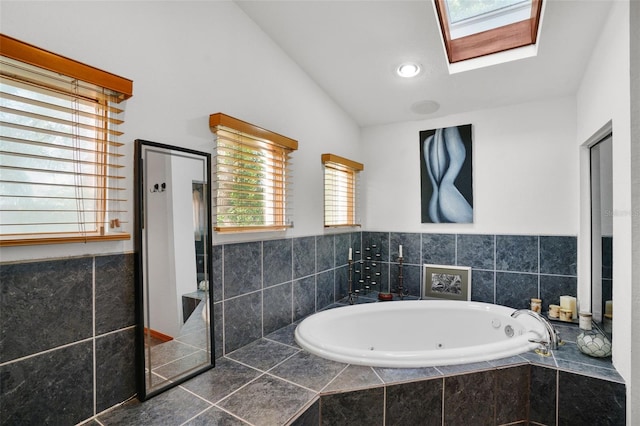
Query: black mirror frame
(142, 393)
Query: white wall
(184, 171)
(604, 96)
(633, 400)
(525, 171)
(158, 242)
(188, 60)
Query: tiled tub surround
(272, 382)
(67, 342)
(262, 286)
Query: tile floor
(272, 381)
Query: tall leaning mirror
(602, 232)
(173, 252)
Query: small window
(61, 178)
(340, 191)
(252, 183)
(471, 29)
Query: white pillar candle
(350, 254)
(569, 302)
(400, 250)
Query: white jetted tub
(419, 333)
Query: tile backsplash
(262, 286)
(68, 326)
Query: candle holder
(353, 294)
(370, 269)
(400, 290)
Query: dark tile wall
(506, 269)
(262, 286)
(67, 341)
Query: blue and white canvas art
(446, 172)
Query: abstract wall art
(446, 174)
(446, 282)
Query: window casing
(340, 191)
(495, 37)
(60, 174)
(252, 182)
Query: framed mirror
(173, 264)
(602, 232)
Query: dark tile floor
(272, 381)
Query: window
(252, 180)
(60, 173)
(471, 29)
(340, 194)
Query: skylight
(475, 28)
(461, 10)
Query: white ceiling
(351, 48)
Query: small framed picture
(447, 282)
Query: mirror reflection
(175, 340)
(602, 232)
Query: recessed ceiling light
(408, 69)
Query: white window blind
(340, 190)
(252, 182)
(61, 174)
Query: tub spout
(553, 337)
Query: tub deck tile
(608, 374)
(285, 335)
(449, 370)
(354, 377)
(509, 361)
(400, 375)
(308, 370)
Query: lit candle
(350, 254)
(400, 250)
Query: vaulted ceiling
(351, 50)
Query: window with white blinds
(340, 191)
(61, 173)
(252, 182)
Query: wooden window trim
(122, 89)
(279, 145)
(350, 167)
(220, 119)
(27, 53)
(508, 37)
(332, 158)
(38, 239)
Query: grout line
(442, 400)
(384, 405)
(261, 289)
(222, 306)
(95, 365)
(495, 268)
(334, 379)
(538, 238)
(198, 414)
(26, 357)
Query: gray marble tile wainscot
(271, 381)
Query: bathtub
(419, 333)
